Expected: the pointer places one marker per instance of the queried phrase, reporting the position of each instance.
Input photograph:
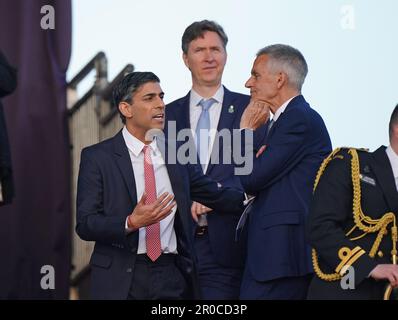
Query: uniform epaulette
(339, 153)
(358, 149)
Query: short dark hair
(393, 121)
(125, 89)
(197, 29)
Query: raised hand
(255, 115)
(146, 214)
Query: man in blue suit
(135, 204)
(278, 262)
(220, 258)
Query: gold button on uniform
(380, 254)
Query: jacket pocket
(100, 260)
(280, 218)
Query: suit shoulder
(176, 102)
(240, 97)
(342, 156)
(99, 147)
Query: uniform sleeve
(331, 216)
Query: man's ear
(126, 109)
(185, 58)
(395, 132)
(282, 79)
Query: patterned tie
(202, 131)
(152, 238)
(271, 123)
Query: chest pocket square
(368, 180)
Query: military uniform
(352, 223)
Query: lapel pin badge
(231, 109)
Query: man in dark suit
(220, 258)
(278, 262)
(125, 203)
(8, 83)
(352, 222)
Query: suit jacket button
(380, 254)
(129, 270)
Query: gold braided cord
(362, 222)
(315, 262)
(360, 219)
(323, 167)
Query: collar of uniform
(135, 145)
(281, 109)
(196, 98)
(393, 157)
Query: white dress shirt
(281, 109)
(135, 148)
(214, 113)
(393, 157)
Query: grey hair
(289, 60)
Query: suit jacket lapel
(123, 161)
(381, 167)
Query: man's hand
(197, 209)
(146, 214)
(255, 115)
(386, 272)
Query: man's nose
(248, 83)
(209, 55)
(161, 104)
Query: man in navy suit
(278, 262)
(135, 204)
(220, 258)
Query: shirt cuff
(126, 228)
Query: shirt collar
(196, 98)
(281, 109)
(393, 157)
(135, 145)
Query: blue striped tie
(203, 130)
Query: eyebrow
(152, 94)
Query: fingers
(143, 199)
(197, 209)
(166, 210)
(391, 279)
(194, 216)
(194, 211)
